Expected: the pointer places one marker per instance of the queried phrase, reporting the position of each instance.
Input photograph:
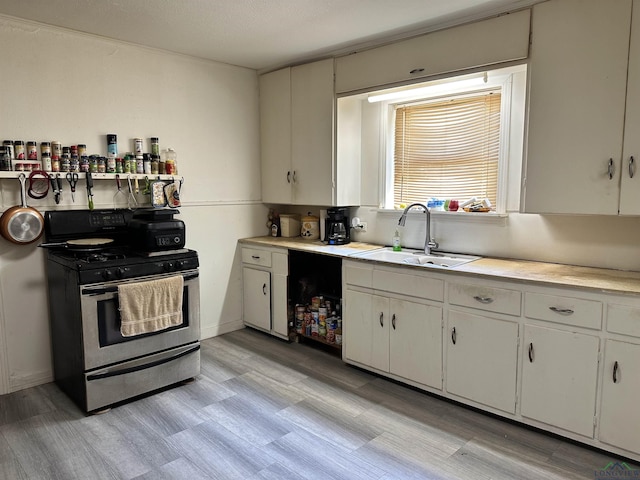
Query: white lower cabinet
(264, 290)
(256, 298)
(564, 360)
(482, 354)
(560, 378)
(619, 412)
(400, 337)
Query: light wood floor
(266, 409)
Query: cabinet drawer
(359, 274)
(492, 299)
(623, 319)
(412, 285)
(565, 310)
(254, 256)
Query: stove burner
(103, 257)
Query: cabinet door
(577, 83)
(275, 136)
(366, 329)
(312, 112)
(256, 298)
(415, 342)
(559, 378)
(619, 412)
(630, 184)
(482, 354)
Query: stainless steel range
(89, 259)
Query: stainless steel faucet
(429, 242)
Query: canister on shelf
(19, 150)
(102, 165)
(84, 163)
(8, 148)
(155, 164)
(155, 146)
(56, 149)
(139, 164)
(137, 146)
(146, 163)
(5, 159)
(112, 145)
(32, 150)
(315, 323)
(46, 162)
(55, 163)
(82, 150)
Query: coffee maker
(337, 226)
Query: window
(456, 138)
(447, 149)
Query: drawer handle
(289, 176)
(632, 166)
(561, 311)
(416, 70)
(294, 177)
(255, 257)
(264, 288)
(381, 319)
(453, 335)
(483, 299)
(531, 353)
(393, 321)
(615, 372)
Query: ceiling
(258, 34)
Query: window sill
(464, 217)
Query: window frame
(498, 78)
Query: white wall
(75, 88)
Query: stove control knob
(120, 272)
(182, 264)
(107, 274)
(169, 267)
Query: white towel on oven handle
(150, 306)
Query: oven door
(104, 344)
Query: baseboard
(28, 381)
(221, 328)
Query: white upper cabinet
(488, 42)
(630, 185)
(275, 136)
(577, 93)
(297, 123)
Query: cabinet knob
(453, 335)
(531, 353)
(632, 167)
(615, 372)
(289, 177)
(393, 321)
(381, 319)
(264, 288)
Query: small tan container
(310, 229)
(290, 225)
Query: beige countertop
(554, 274)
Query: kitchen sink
(418, 257)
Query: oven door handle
(138, 368)
(103, 290)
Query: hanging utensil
(89, 192)
(54, 188)
(59, 188)
(72, 178)
(131, 199)
(21, 224)
(118, 192)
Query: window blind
(447, 149)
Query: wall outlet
(362, 227)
